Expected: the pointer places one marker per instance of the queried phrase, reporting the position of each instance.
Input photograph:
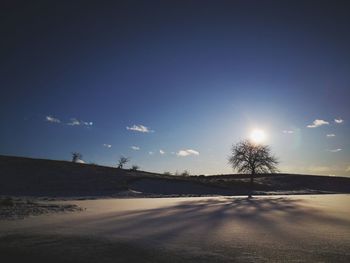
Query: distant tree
(250, 158)
(76, 157)
(185, 173)
(122, 161)
(135, 167)
(167, 173)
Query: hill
(39, 177)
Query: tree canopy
(251, 158)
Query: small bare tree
(122, 161)
(251, 158)
(76, 157)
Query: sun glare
(257, 136)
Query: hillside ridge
(41, 177)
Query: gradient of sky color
(172, 84)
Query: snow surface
(303, 228)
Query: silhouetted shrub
(134, 168)
(185, 173)
(76, 157)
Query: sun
(257, 136)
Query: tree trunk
(251, 183)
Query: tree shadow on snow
(206, 217)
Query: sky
(173, 84)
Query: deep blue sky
(200, 75)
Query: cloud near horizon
(161, 152)
(139, 128)
(52, 119)
(107, 145)
(335, 150)
(330, 135)
(338, 121)
(288, 131)
(317, 123)
(187, 152)
(135, 148)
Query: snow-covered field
(308, 228)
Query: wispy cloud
(52, 119)
(107, 145)
(187, 152)
(135, 148)
(151, 153)
(161, 151)
(288, 131)
(335, 150)
(139, 128)
(72, 122)
(76, 122)
(330, 135)
(317, 123)
(348, 169)
(338, 120)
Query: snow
(290, 228)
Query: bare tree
(76, 157)
(253, 159)
(122, 161)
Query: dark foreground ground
(37, 177)
(74, 249)
(312, 228)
